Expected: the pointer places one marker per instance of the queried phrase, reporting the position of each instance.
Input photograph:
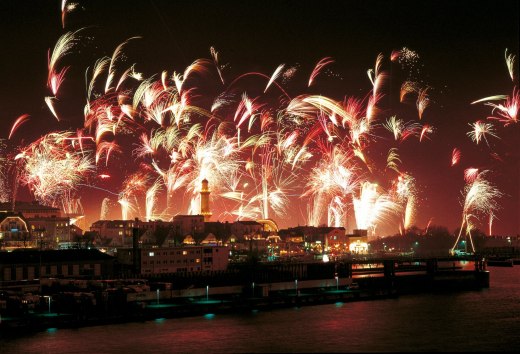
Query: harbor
(263, 287)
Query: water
(485, 320)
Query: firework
(480, 131)
(62, 48)
(402, 130)
(50, 103)
(455, 156)
(116, 56)
(510, 62)
(17, 123)
(470, 174)
(408, 87)
(377, 77)
(275, 75)
(256, 150)
(508, 112)
(332, 180)
(422, 102)
(4, 165)
(426, 129)
(372, 207)
(52, 168)
(317, 69)
(409, 61)
(393, 160)
(66, 8)
(151, 198)
(480, 197)
(405, 194)
(214, 55)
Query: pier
(244, 287)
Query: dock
(246, 288)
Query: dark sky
(461, 46)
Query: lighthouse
(204, 200)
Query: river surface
(468, 321)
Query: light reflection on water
(486, 320)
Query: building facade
(14, 231)
(177, 259)
(35, 264)
(242, 228)
(31, 209)
(47, 227)
(114, 232)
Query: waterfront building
(114, 232)
(47, 227)
(14, 232)
(358, 242)
(177, 259)
(189, 225)
(336, 241)
(241, 229)
(34, 264)
(118, 233)
(50, 232)
(318, 239)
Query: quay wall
(118, 305)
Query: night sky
(460, 44)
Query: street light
(48, 297)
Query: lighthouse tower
(204, 200)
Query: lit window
(151, 254)
(184, 253)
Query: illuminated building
(50, 232)
(245, 228)
(178, 259)
(189, 240)
(189, 225)
(46, 225)
(269, 225)
(119, 232)
(358, 242)
(204, 200)
(14, 232)
(210, 240)
(336, 241)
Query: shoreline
(266, 297)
